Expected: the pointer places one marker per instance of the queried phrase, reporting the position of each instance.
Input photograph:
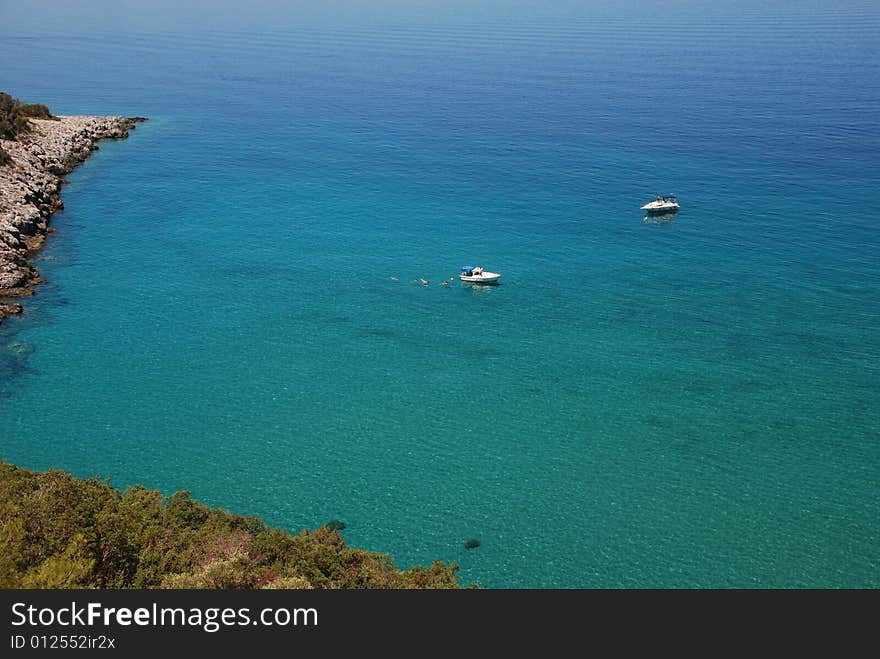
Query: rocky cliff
(30, 187)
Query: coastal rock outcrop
(30, 189)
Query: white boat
(667, 203)
(476, 275)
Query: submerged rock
(8, 309)
(473, 543)
(18, 349)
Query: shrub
(14, 117)
(289, 583)
(69, 569)
(36, 110)
(57, 531)
(12, 121)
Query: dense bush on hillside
(14, 119)
(13, 122)
(57, 531)
(36, 110)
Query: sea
(234, 303)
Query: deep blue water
(688, 403)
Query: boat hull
(485, 278)
(658, 209)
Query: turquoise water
(640, 404)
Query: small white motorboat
(667, 203)
(476, 275)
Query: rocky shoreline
(30, 191)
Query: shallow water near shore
(689, 403)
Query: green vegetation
(13, 122)
(14, 119)
(57, 531)
(36, 110)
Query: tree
(57, 531)
(70, 569)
